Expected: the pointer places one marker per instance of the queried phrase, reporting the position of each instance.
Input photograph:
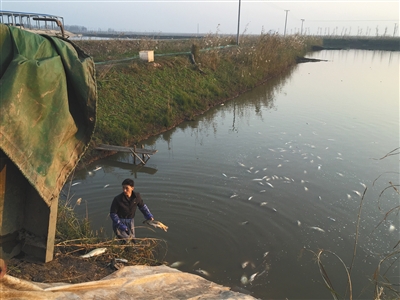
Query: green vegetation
(137, 99)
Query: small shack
(47, 118)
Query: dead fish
(332, 219)
(233, 196)
(176, 264)
(107, 185)
(364, 185)
(76, 183)
(262, 191)
(156, 224)
(306, 188)
(245, 264)
(257, 179)
(391, 228)
(348, 196)
(242, 165)
(251, 197)
(202, 272)
(270, 185)
(317, 229)
(94, 252)
(263, 203)
(265, 254)
(252, 277)
(244, 223)
(98, 168)
(298, 223)
(278, 166)
(78, 202)
(223, 174)
(90, 173)
(121, 260)
(340, 174)
(357, 193)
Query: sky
(212, 16)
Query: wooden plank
(126, 149)
(133, 152)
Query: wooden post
(134, 157)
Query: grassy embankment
(137, 99)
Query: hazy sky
(210, 16)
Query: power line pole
(237, 38)
(284, 32)
(302, 20)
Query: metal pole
(302, 20)
(237, 38)
(284, 32)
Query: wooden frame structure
(136, 152)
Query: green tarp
(48, 102)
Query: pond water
(273, 176)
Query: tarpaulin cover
(47, 106)
(134, 282)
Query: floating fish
(348, 196)
(94, 252)
(298, 223)
(251, 197)
(196, 263)
(278, 166)
(317, 229)
(98, 168)
(357, 193)
(265, 254)
(78, 202)
(107, 185)
(257, 179)
(319, 197)
(223, 174)
(233, 196)
(121, 260)
(260, 183)
(76, 183)
(340, 174)
(270, 185)
(202, 272)
(274, 209)
(245, 264)
(364, 185)
(391, 228)
(262, 191)
(176, 264)
(319, 167)
(306, 188)
(233, 177)
(90, 173)
(263, 203)
(156, 224)
(332, 219)
(241, 164)
(252, 277)
(244, 223)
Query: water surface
(250, 180)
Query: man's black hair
(128, 181)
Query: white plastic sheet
(133, 282)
